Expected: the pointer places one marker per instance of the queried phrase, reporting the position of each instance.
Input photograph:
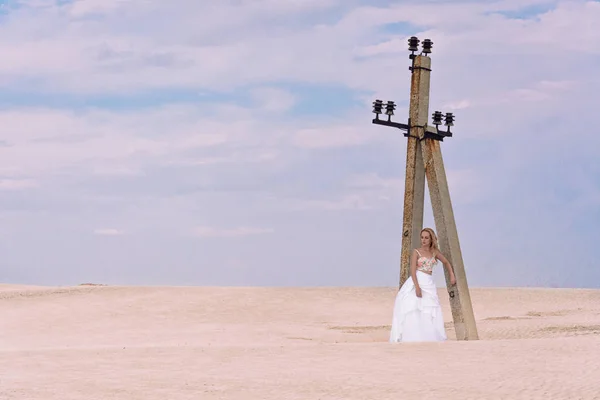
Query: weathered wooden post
(424, 158)
(460, 299)
(414, 184)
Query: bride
(417, 312)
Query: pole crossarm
(393, 124)
(431, 132)
(434, 132)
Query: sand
(106, 342)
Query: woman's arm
(413, 272)
(448, 266)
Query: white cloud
(207, 231)
(115, 170)
(458, 105)
(333, 136)
(351, 202)
(220, 48)
(542, 91)
(108, 232)
(524, 92)
(468, 186)
(373, 180)
(81, 8)
(273, 99)
(45, 140)
(17, 184)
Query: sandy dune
(105, 342)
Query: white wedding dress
(418, 319)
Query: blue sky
(230, 143)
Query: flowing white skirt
(418, 319)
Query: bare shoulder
(440, 256)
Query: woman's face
(425, 239)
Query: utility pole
(414, 184)
(424, 159)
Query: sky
(229, 143)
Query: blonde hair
(433, 246)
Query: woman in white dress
(417, 312)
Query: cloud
(121, 55)
(237, 115)
(333, 136)
(373, 180)
(108, 232)
(17, 184)
(82, 8)
(459, 105)
(46, 140)
(274, 99)
(350, 202)
(206, 231)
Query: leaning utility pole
(425, 159)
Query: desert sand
(110, 342)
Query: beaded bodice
(425, 264)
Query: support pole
(460, 299)
(414, 185)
